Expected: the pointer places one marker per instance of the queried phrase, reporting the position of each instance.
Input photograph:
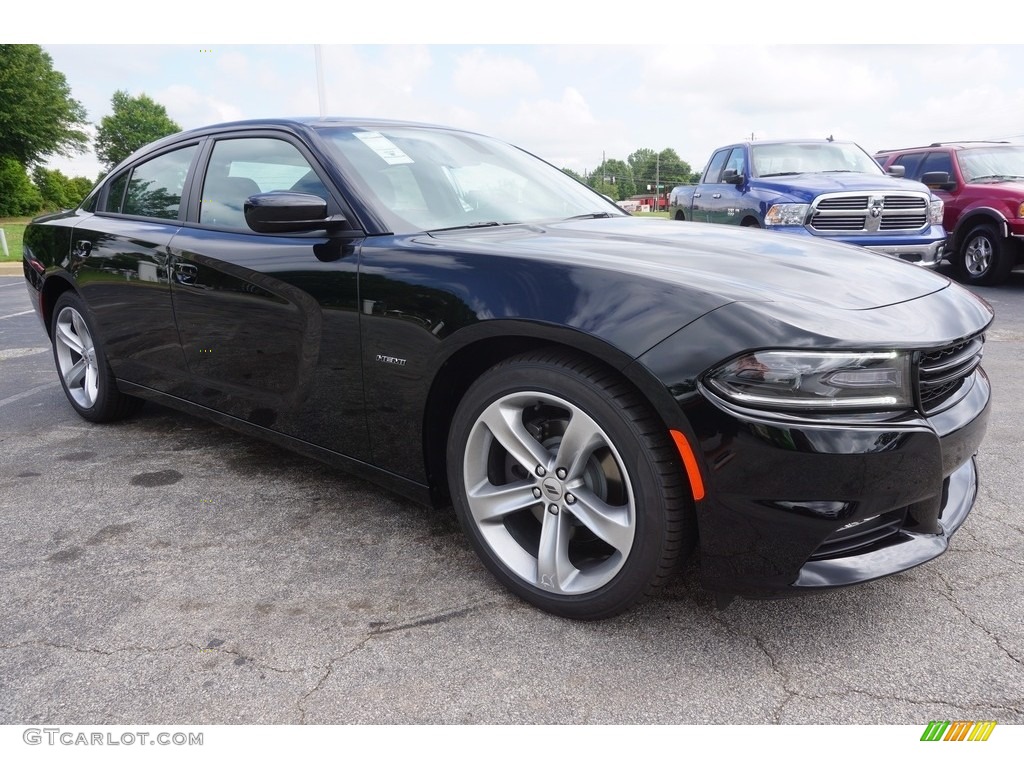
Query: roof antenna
(830, 138)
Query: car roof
(294, 124)
(947, 145)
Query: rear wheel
(84, 373)
(567, 485)
(984, 258)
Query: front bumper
(925, 249)
(795, 506)
(923, 254)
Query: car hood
(724, 264)
(807, 186)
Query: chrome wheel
(549, 493)
(985, 258)
(978, 255)
(567, 484)
(82, 364)
(76, 357)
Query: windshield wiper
(782, 173)
(997, 177)
(599, 215)
(471, 225)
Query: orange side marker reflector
(690, 463)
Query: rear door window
(155, 186)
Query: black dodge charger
(596, 394)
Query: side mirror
(898, 171)
(938, 180)
(272, 212)
(731, 177)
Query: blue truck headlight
(802, 380)
(784, 214)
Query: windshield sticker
(384, 147)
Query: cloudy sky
(653, 79)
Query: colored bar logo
(958, 730)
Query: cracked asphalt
(165, 570)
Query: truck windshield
(789, 158)
(992, 163)
(428, 179)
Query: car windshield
(790, 158)
(992, 163)
(426, 179)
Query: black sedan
(596, 394)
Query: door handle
(717, 195)
(696, 194)
(185, 273)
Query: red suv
(982, 186)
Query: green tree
(53, 188)
(57, 190)
(135, 122)
(80, 187)
(664, 168)
(570, 172)
(614, 174)
(18, 196)
(38, 117)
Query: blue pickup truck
(830, 189)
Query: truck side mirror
(731, 177)
(938, 180)
(897, 171)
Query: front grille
(903, 221)
(837, 223)
(869, 212)
(842, 203)
(941, 372)
(860, 536)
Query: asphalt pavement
(166, 570)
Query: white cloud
(190, 107)
(480, 74)
(565, 132)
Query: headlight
(935, 211)
(786, 214)
(1020, 211)
(791, 379)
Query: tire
(983, 258)
(583, 531)
(680, 216)
(751, 224)
(84, 372)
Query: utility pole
(657, 182)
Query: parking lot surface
(166, 570)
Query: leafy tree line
(638, 174)
(39, 118)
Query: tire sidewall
(995, 267)
(647, 551)
(101, 409)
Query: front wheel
(984, 258)
(84, 373)
(567, 485)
